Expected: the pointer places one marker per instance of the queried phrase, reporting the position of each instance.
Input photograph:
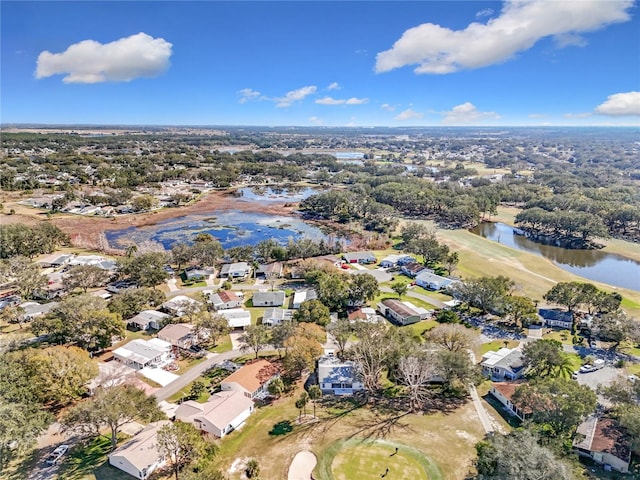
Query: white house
(235, 270)
(35, 309)
(180, 304)
(148, 319)
(223, 300)
(268, 299)
(302, 296)
(503, 392)
(275, 316)
(396, 260)
(359, 257)
(431, 281)
(402, 313)
(554, 317)
(236, 317)
(505, 364)
(221, 414)
(139, 457)
(142, 353)
(338, 377)
(252, 380)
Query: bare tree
(452, 337)
(415, 372)
(370, 353)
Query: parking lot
(603, 377)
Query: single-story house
(148, 319)
(412, 269)
(139, 457)
(302, 296)
(275, 316)
(396, 260)
(431, 281)
(364, 314)
(34, 309)
(235, 270)
(268, 299)
(359, 257)
(252, 380)
(555, 317)
(55, 260)
(139, 353)
(602, 440)
(338, 377)
(195, 273)
(270, 270)
(505, 364)
(402, 313)
(223, 300)
(236, 317)
(220, 415)
(178, 335)
(503, 392)
(180, 305)
(97, 260)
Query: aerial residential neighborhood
(320, 240)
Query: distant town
(285, 303)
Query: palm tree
(564, 369)
(314, 394)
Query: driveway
(603, 377)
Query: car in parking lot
(54, 457)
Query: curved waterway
(595, 265)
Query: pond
(592, 264)
(232, 228)
(276, 194)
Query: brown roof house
(178, 335)
(252, 380)
(503, 392)
(220, 415)
(602, 440)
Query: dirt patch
(302, 466)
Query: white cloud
(316, 120)
(465, 114)
(247, 94)
(408, 114)
(537, 115)
(342, 101)
(334, 86)
(519, 26)
(487, 12)
(122, 60)
(295, 96)
(577, 115)
(387, 107)
(620, 104)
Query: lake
(595, 265)
(276, 194)
(232, 228)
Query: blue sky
(321, 63)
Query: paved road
(190, 375)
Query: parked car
(54, 457)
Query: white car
(55, 456)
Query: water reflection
(276, 194)
(232, 228)
(592, 264)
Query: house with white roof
(302, 296)
(236, 317)
(338, 377)
(139, 353)
(35, 309)
(431, 281)
(235, 270)
(359, 257)
(275, 316)
(140, 457)
(220, 415)
(180, 305)
(148, 319)
(505, 364)
(396, 260)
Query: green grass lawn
(563, 336)
(496, 345)
(90, 463)
(370, 459)
(421, 327)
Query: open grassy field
(447, 437)
(372, 459)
